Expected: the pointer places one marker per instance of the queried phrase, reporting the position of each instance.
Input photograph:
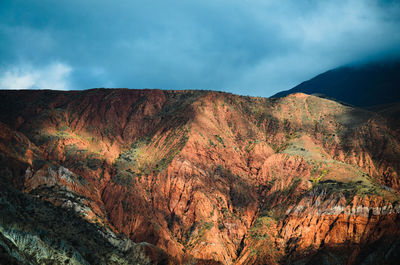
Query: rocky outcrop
(35, 232)
(334, 222)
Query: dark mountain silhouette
(361, 86)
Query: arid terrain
(119, 176)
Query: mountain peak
(362, 86)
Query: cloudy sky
(249, 47)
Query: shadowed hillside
(361, 86)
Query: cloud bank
(247, 47)
(54, 76)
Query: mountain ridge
(364, 85)
(211, 177)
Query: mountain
(118, 176)
(362, 86)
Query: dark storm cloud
(245, 47)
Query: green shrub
(94, 163)
(316, 179)
(219, 139)
(212, 143)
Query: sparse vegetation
(149, 156)
(94, 163)
(251, 144)
(349, 189)
(211, 143)
(260, 228)
(220, 140)
(317, 179)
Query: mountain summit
(362, 86)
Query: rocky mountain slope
(123, 176)
(365, 85)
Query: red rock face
(211, 176)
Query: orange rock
(211, 176)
